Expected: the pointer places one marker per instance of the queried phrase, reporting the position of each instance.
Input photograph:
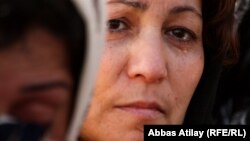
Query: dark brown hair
(219, 30)
(220, 47)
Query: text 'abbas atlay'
(197, 133)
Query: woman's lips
(143, 109)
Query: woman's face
(35, 77)
(151, 65)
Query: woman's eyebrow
(183, 9)
(132, 3)
(44, 86)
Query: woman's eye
(182, 34)
(116, 25)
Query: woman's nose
(147, 58)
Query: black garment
(233, 104)
(21, 132)
(202, 103)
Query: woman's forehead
(193, 5)
(162, 7)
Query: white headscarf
(94, 14)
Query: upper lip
(143, 105)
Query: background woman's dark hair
(221, 48)
(219, 30)
(60, 17)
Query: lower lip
(142, 113)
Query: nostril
(138, 75)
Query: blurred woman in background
(42, 44)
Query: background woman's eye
(116, 25)
(182, 34)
